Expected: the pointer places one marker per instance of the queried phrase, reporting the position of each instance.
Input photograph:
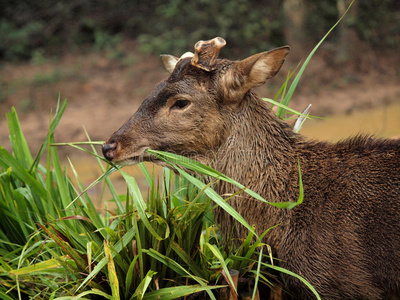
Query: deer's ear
(169, 61)
(258, 68)
(253, 71)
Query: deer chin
(145, 157)
(142, 156)
(134, 158)
(129, 161)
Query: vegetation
(58, 238)
(55, 245)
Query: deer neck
(259, 153)
(258, 150)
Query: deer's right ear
(252, 72)
(169, 61)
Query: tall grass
(52, 249)
(55, 245)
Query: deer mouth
(136, 159)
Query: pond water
(382, 122)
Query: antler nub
(206, 53)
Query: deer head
(186, 114)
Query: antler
(206, 53)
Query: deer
(344, 239)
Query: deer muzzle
(109, 150)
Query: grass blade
(17, 139)
(112, 275)
(57, 117)
(286, 100)
(42, 267)
(198, 167)
(141, 205)
(144, 284)
(117, 247)
(173, 293)
(8, 161)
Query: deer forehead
(184, 71)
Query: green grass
(55, 245)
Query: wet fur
(345, 237)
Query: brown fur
(345, 237)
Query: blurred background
(103, 56)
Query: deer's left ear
(253, 71)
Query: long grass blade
(41, 268)
(57, 117)
(173, 293)
(8, 161)
(285, 271)
(117, 247)
(142, 287)
(141, 206)
(198, 167)
(112, 274)
(83, 294)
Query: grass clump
(55, 245)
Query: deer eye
(179, 104)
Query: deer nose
(109, 150)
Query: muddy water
(382, 122)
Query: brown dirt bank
(103, 92)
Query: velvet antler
(206, 53)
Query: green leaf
(280, 105)
(59, 113)
(208, 171)
(187, 259)
(285, 271)
(41, 267)
(217, 253)
(144, 284)
(91, 292)
(67, 247)
(4, 296)
(176, 267)
(173, 293)
(112, 274)
(61, 179)
(117, 247)
(129, 276)
(17, 139)
(141, 205)
(7, 161)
